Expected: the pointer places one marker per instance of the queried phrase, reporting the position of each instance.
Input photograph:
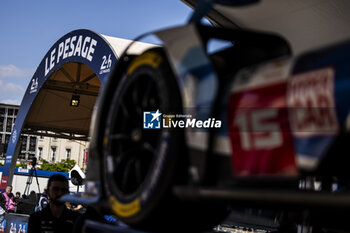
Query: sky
(29, 28)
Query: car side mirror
(77, 176)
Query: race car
(251, 111)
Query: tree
(62, 166)
(22, 165)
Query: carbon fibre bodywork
(283, 132)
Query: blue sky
(29, 28)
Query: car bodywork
(282, 98)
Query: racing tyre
(140, 163)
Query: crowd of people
(50, 214)
(11, 203)
(8, 202)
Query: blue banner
(82, 46)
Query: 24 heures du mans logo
(157, 120)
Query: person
(2, 217)
(43, 202)
(17, 195)
(17, 200)
(7, 201)
(78, 207)
(55, 217)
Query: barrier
(14, 223)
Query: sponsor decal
(149, 58)
(16, 223)
(259, 131)
(125, 209)
(3, 226)
(312, 104)
(106, 64)
(4, 180)
(34, 86)
(23, 170)
(78, 45)
(14, 136)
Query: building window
(2, 147)
(40, 153)
(41, 137)
(22, 156)
(2, 119)
(2, 110)
(30, 157)
(32, 143)
(9, 125)
(23, 143)
(10, 112)
(7, 138)
(68, 152)
(16, 111)
(53, 154)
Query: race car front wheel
(140, 164)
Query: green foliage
(22, 165)
(63, 166)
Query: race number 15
(259, 129)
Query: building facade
(54, 149)
(44, 148)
